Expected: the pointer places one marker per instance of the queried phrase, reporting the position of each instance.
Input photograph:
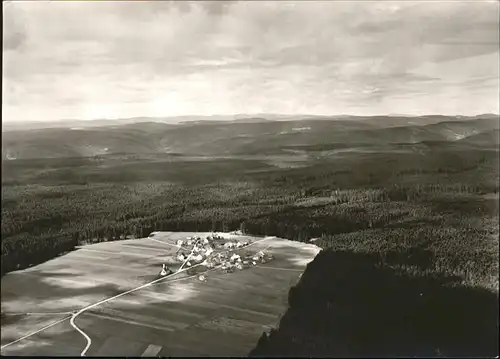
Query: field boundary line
(193, 275)
(89, 341)
(168, 244)
(265, 249)
(187, 259)
(36, 332)
(130, 254)
(82, 310)
(278, 268)
(251, 244)
(42, 313)
(72, 313)
(75, 315)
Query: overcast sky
(124, 59)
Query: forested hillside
(218, 138)
(427, 209)
(50, 205)
(361, 305)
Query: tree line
(39, 225)
(324, 199)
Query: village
(215, 252)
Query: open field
(177, 316)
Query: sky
(94, 60)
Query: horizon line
(250, 115)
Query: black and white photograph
(315, 179)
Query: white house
(181, 257)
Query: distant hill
(69, 123)
(491, 138)
(73, 123)
(252, 135)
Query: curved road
(82, 310)
(75, 315)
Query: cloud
(122, 59)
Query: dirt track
(223, 316)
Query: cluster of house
(232, 262)
(202, 250)
(234, 245)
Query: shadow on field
(43, 289)
(10, 319)
(359, 305)
(54, 274)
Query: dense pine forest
(444, 200)
(364, 305)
